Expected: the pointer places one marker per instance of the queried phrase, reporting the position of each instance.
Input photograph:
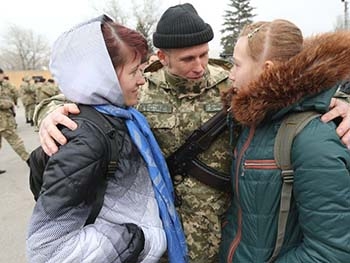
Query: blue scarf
(143, 138)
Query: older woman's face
(245, 69)
(130, 79)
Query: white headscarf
(81, 65)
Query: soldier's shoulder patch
(155, 107)
(156, 65)
(220, 62)
(213, 107)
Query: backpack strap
(290, 127)
(102, 123)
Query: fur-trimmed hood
(323, 62)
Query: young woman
(98, 63)
(275, 73)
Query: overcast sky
(52, 17)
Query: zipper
(235, 242)
(260, 164)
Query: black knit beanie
(180, 26)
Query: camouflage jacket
(46, 106)
(175, 107)
(8, 96)
(45, 91)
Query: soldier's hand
(48, 131)
(340, 108)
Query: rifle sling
(208, 175)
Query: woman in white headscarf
(98, 63)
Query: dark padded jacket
(128, 227)
(319, 219)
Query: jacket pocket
(260, 164)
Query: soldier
(13, 90)
(46, 89)
(38, 83)
(27, 91)
(181, 94)
(54, 90)
(8, 100)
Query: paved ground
(16, 202)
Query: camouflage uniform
(28, 98)
(174, 107)
(45, 90)
(46, 106)
(8, 100)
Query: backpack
(38, 159)
(290, 127)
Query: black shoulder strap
(101, 122)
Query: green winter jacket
(318, 227)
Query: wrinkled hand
(48, 131)
(340, 108)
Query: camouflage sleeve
(343, 92)
(47, 106)
(342, 95)
(15, 94)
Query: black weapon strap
(209, 176)
(204, 173)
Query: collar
(184, 88)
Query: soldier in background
(13, 90)
(38, 84)
(45, 89)
(53, 87)
(8, 101)
(27, 91)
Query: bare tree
(139, 14)
(24, 50)
(147, 16)
(113, 8)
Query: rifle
(183, 161)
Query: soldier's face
(189, 63)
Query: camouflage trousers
(8, 131)
(200, 212)
(29, 111)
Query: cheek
(180, 69)
(241, 77)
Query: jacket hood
(81, 65)
(323, 62)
